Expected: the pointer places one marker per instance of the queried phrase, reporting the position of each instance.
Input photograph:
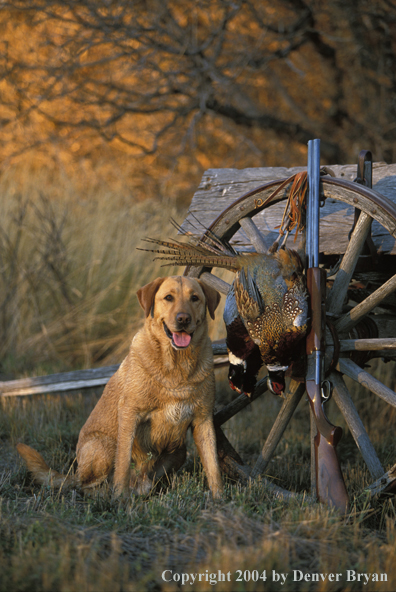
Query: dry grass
(69, 272)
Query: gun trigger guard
(326, 391)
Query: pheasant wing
(249, 303)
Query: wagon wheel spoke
(351, 318)
(215, 282)
(254, 235)
(222, 416)
(384, 484)
(340, 287)
(293, 396)
(230, 461)
(344, 402)
(359, 375)
(377, 344)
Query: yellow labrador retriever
(164, 386)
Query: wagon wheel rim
(373, 206)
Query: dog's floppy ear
(212, 297)
(147, 294)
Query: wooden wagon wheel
(340, 342)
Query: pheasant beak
(232, 385)
(238, 390)
(276, 383)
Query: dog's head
(177, 305)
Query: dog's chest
(179, 412)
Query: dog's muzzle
(179, 339)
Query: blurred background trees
(163, 89)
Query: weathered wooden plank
(384, 226)
(386, 325)
(256, 238)
(219, 347)
(239, 403)
(81, 379)
(60, 382)
(219, 188)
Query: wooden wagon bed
(219, 188)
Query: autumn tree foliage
(181, 86)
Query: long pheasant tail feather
(188, 254)
(209, 250)
(208, 241)
(176, 247)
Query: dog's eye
(169, 298)
(194, 298)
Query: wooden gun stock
(330, 486)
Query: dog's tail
(42, 473)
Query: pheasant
(272, 300)
(266, 310)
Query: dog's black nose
(183, 318)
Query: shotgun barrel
(330, 486)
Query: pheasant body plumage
(272, 300)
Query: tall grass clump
(69, 272)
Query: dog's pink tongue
(181, 339)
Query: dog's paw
(144, 485)
(125, 496)
(120, 493)
(219, 497)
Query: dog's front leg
(127, 424)
(205, 440)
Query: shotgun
(330, 486)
